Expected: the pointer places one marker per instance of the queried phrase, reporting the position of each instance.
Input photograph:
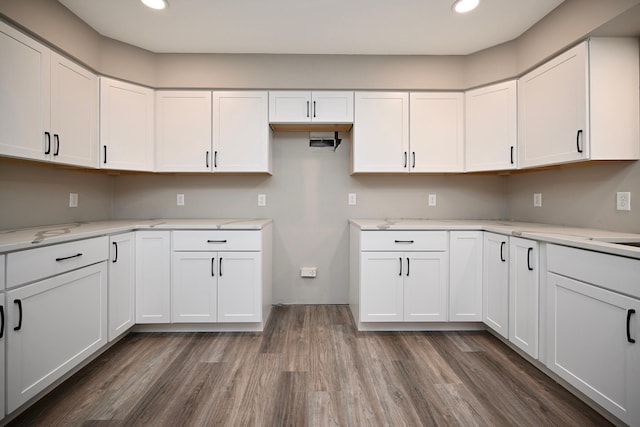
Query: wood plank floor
(310, 368)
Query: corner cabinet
(126, 126)
(524, 294)
(594, 327)
(566, 106)
(52, 103)
(380, 132)
(491, 131)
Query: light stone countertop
(584, 238)
(27, 238)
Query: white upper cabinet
(241, 134)
(310, 107)
(51, 104)
(183, 131)
(126, 126)
(436, 133)
(581, 105)
(491, 127)
(380, 132)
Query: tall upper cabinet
(491, 128)
(126, 126)
(581, 105)
(50, 104)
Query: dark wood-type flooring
(310, 368)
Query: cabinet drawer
(34, 264)
(216, 240)
(404, 241)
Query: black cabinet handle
(307, 108)
(115, 247)
(19, 302)
(1, 321)
(207, 159)
(217, 241)
(220, 268)
(104, 158)
(629, 313)
(405, 159)
(314, 108)
(529, 259)
(215, 159)
(47, 150)
(400, 259)
(56, 140)
(512, 154)
(408, 266)
(213, 267)
(403, 241)
(414, 159)
(578, 145)
(502, 258)
(69, 257)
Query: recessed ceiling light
(464, 6)
(155, 4)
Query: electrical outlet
(537, 200)
(310, 272)
(433, 201)
(623, 201)
(180, 199)
(262, 200)
(353, 199)
(73, 200)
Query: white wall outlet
(308, 272)
(180, 199)
(623, 201)
(433, 201)
(537, 200)
(73, 200)
(262, 200)
(352, 199)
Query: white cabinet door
(289, 106)
(74, 113)
(553, 111)
(239, 287)
(126, 126)
(495, 278)
(53, 325)
(524, 295)
(183, 131)
(121, 284)
(25, 101)
(153, 276)
(310, 107)
(590, 341)
(381, 132)
(193, 288)
(436, 133)
(465, 283)
(332, 107)
(425, 286)
(241, 133)
(382, 290)
(491, 132)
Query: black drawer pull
(217, 241)
(115, 246)
(56, 139)
(578, 145)
(404, 241)
(512, 154)
(213, 267)
(220, 268)
(19, 302)
(405, 159)
(414, 160)
(104, 158)
(1, 321)
(400, 259)
(69, 257)
(207, 159)
(502, 258)
(48, 149)
(529, 259)
(408, 264)
(629, 313)
(215, 159)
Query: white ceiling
(385, 27)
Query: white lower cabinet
(53, 325)
(593, 330)
(495, 283)
(193, 287)
(3, 339)
(153, 276)
(121, 284)
(239, 287)
(524, 287)
(465, 276)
